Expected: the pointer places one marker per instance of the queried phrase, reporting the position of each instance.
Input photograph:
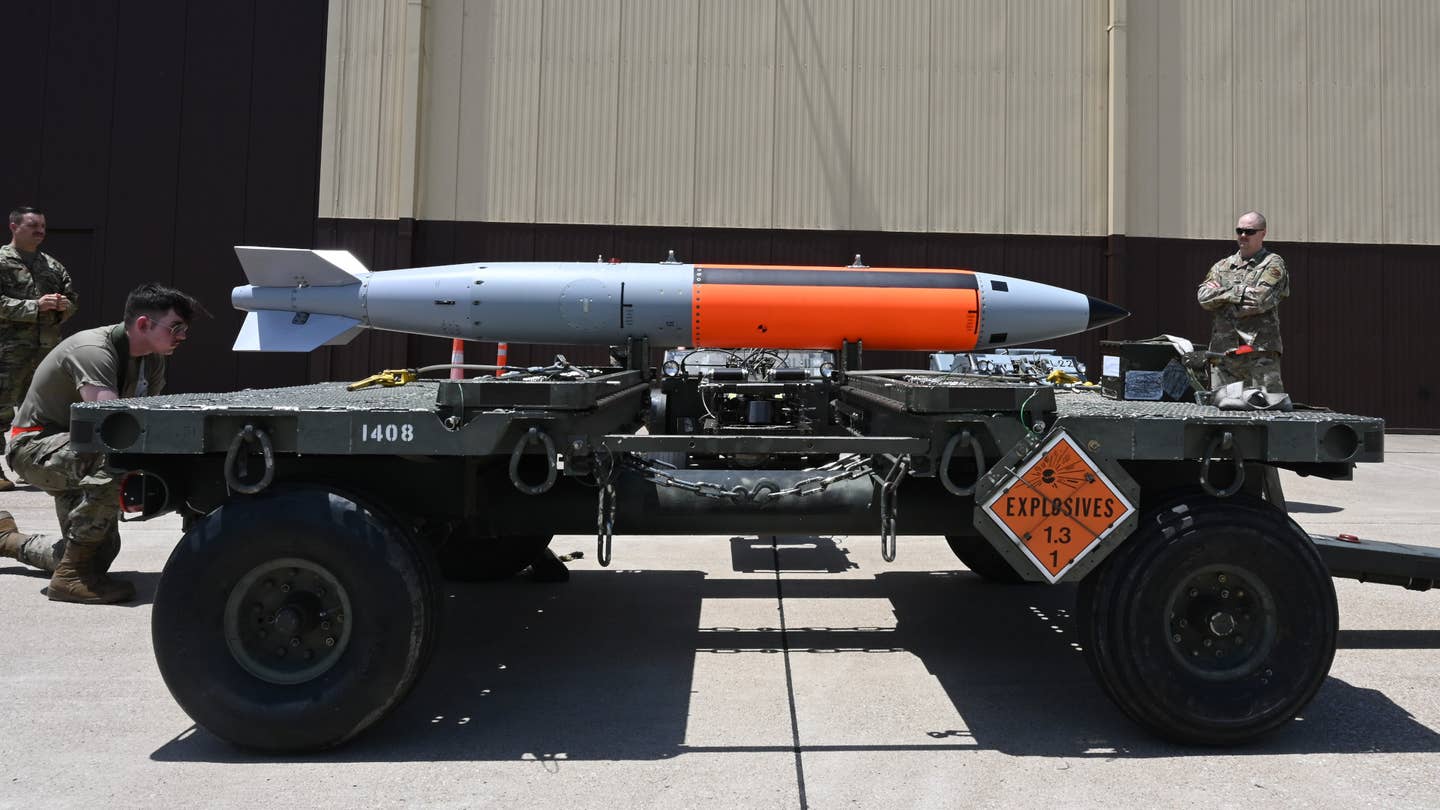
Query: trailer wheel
(486, 559)
(293, 621)
(1214, 623)
(982, 559)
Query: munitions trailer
(301, 604)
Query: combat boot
(78, 579)
(5, 483)
(11, 538)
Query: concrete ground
(692, 673)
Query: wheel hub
(286, 621)
(1220, 621)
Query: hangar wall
(1163, 118)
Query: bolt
(329, 641)
(294, 641)
(1184, 623)
(1222, 578)
(1219, 652)
(1224, 594)
(1176, 638)
(1269, 673)
(1194, 653)
(1239, 639)
(1194, 592)
(319, 591)
(1263, 681)
(324, 625)
(1239, 594)
(1207, 642)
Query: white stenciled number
(387, 433)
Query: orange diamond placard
(1058, 505)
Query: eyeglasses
(178, 329)
(1248, 231)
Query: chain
(764, 490)
(890, 509)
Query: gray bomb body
(298, 300)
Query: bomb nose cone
(1104, 312)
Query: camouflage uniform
(26, 333)
(86, 496)
(1244, 296)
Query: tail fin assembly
(273, 271)
(271, 331)
(296, 267)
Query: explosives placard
(1058, 505)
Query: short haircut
(19, 213)
(1258, 216)
(155, 299)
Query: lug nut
(294, 641)
(329, 641)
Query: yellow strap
(389, 378)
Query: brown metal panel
(24, 153)
(1335, 352)
(145, 128)
(724, 245)
(574, 243)
(653, 244)
(1161, 280)
(494, 242)
(212, 159)
(1408, 342)
(76, 110)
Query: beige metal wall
(1322, 113)
(952, 116)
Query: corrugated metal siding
(579, 105)
(1044, 145)
(1410, 115)
(888, 183)
(1094, 118)
(813, 94)
(503, 107)
(655, 172)
(1269, 159)
(910, 115)
(1345, 121)
(967, 117)
(440, 92)
(735, 114)
(360, 125)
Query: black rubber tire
(982, 559)
(206, 640)
(1213, 624)
(487, 559)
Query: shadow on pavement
(1312, 508)
(602, 668)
